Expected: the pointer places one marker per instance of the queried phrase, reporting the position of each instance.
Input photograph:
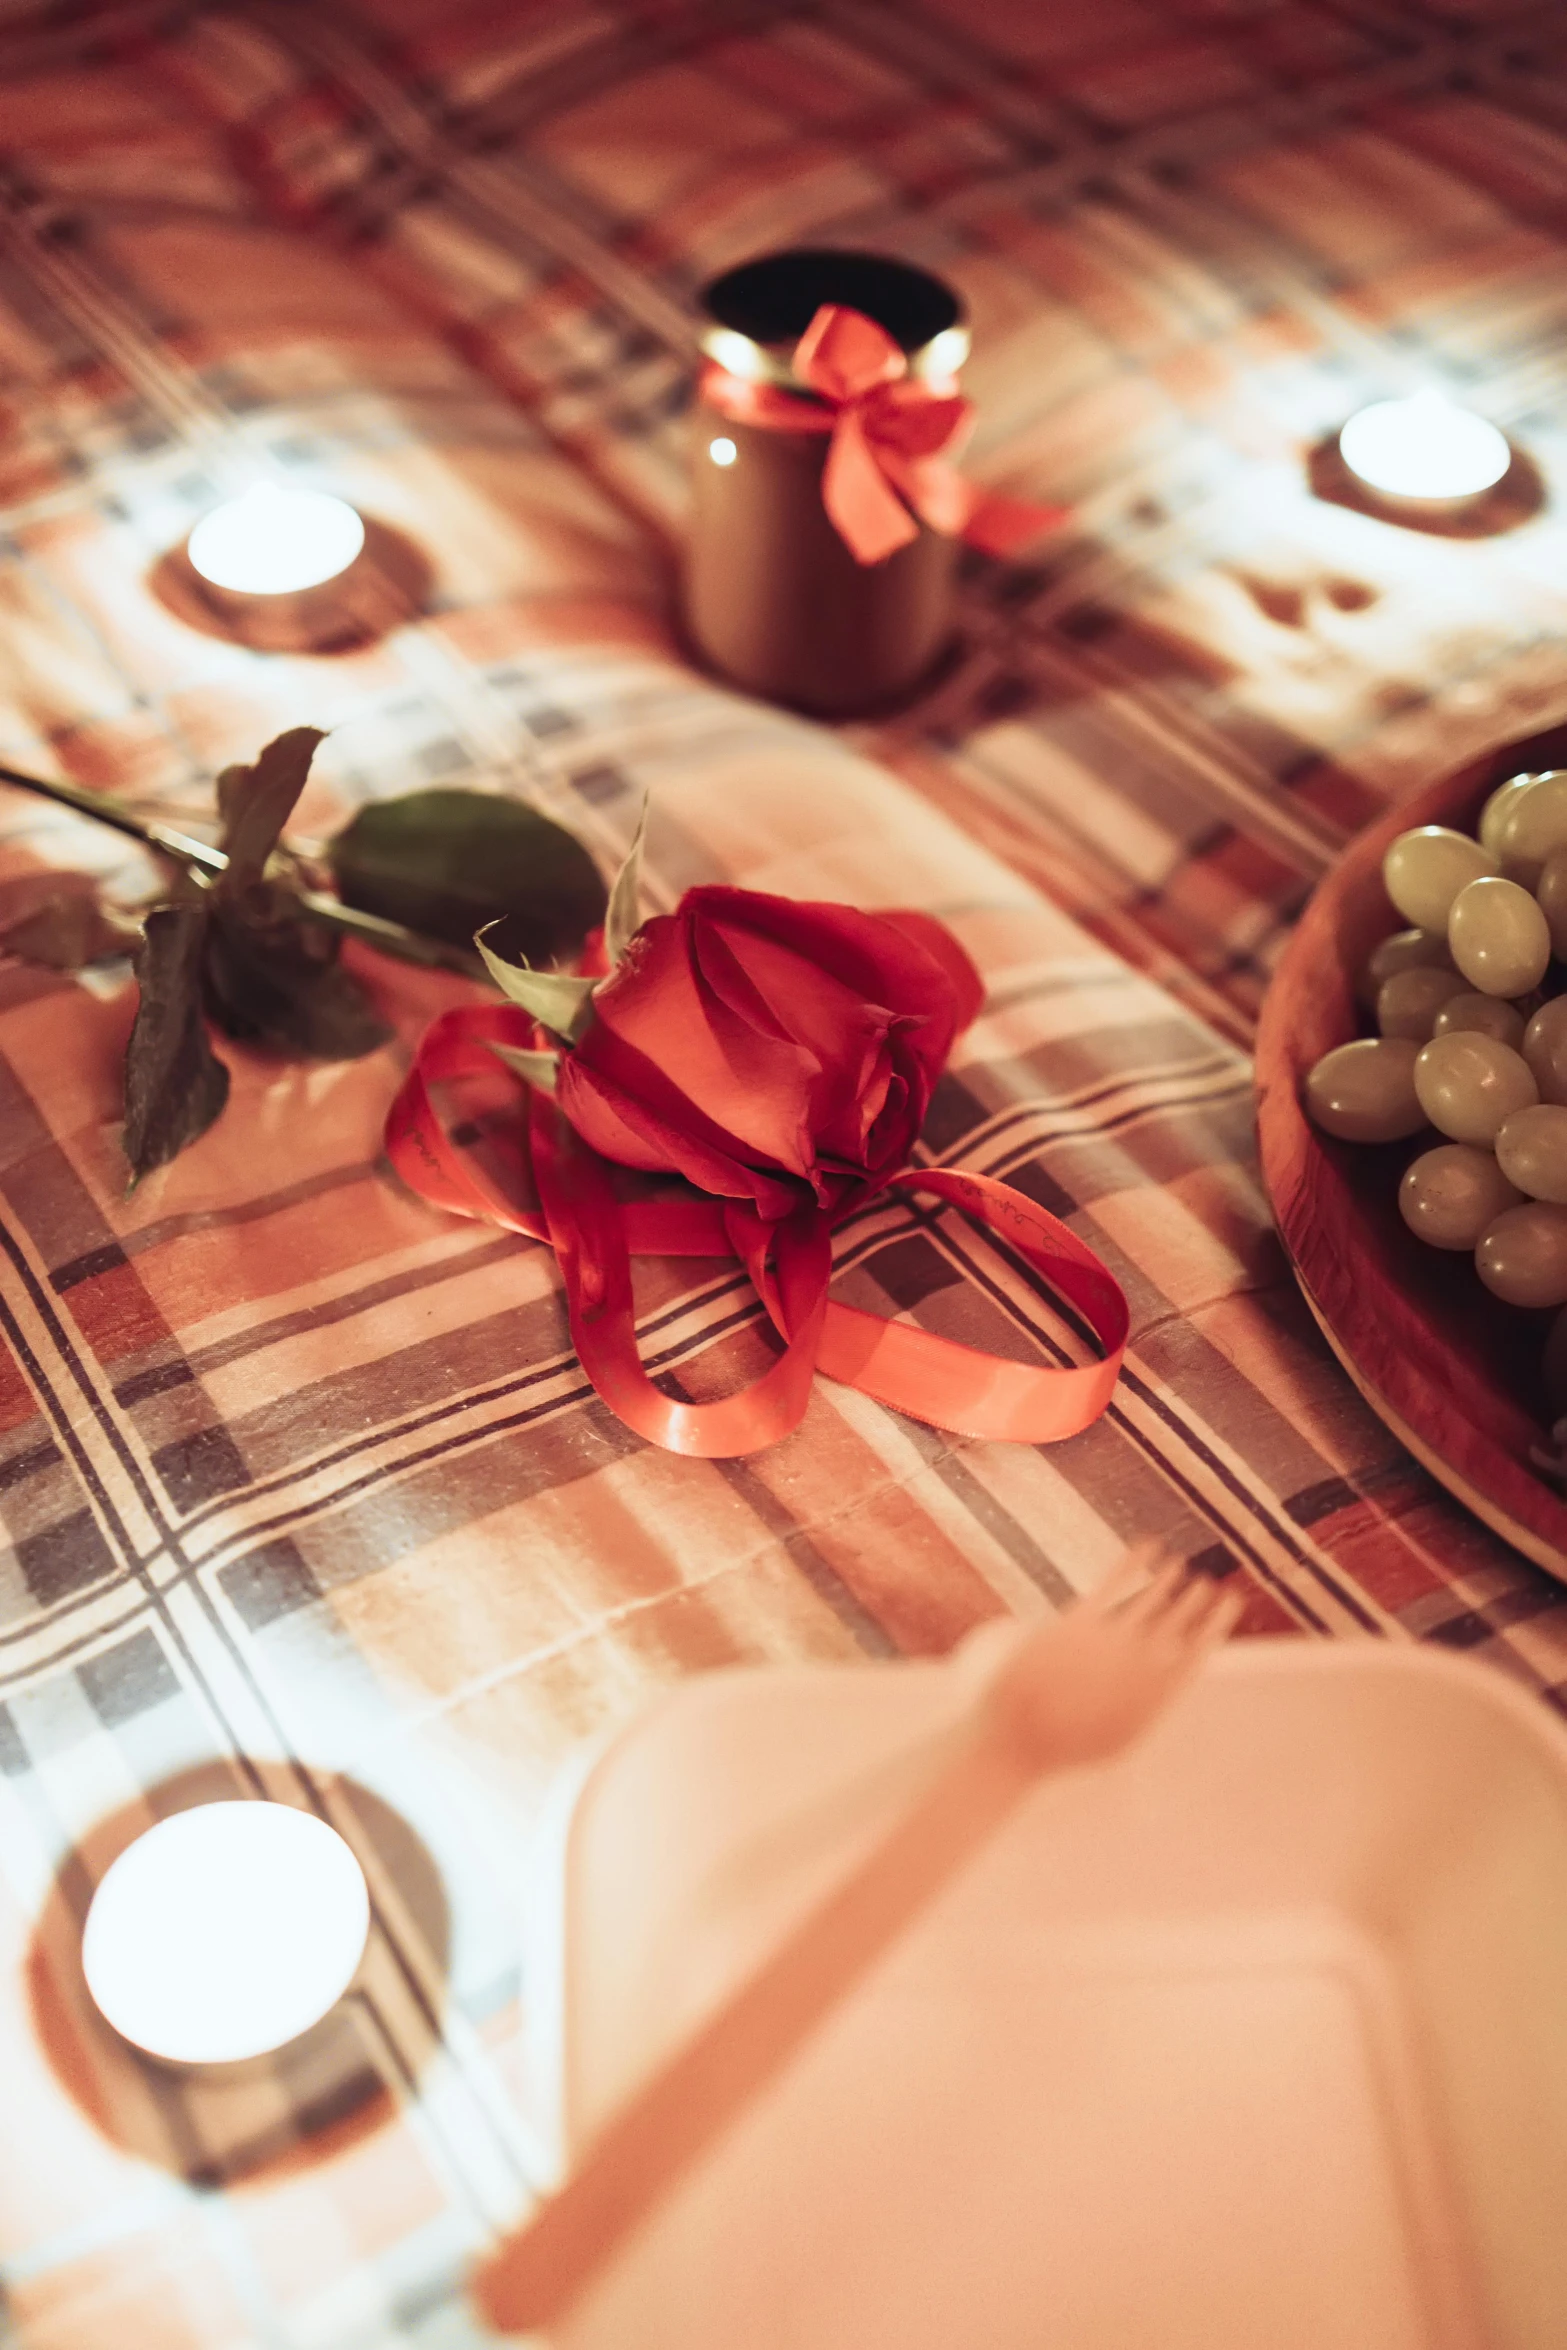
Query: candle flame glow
(272, 541)
(944, 354)
(1424, 447)
(225, 1931)
(736, 353)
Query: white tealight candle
(272, 541)
(1424, 450)
(225, 1931)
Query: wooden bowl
(1453, 1372)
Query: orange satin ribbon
(893, 440)
(595, 1227)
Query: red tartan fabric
(301, 1486)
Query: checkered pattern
(302, 1489)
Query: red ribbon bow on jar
(894, 437)
(749, 1070)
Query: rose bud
(769, 1048)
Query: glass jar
(773, 599)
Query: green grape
(1408, 1003)
(1522, 1256)
(1498, 937)
(1545, 1049)
(1498, 808)
(1403, 950)
(1364, 1092)
(1534, 825)
(1551, 890)
(1467, 1084)
(1449, 1195)
(1531, 1150)
(1425, 869)
(1487, 1013)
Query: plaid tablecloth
(302, 1489)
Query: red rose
(766, 1047)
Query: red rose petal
(608, 1118)
(938, 942)
(753, 1087)
(752, 1043)
(905, 962)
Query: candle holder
(323, 2091)
(1427, 464)
(774, 598)
(285, 570)
(273, 565)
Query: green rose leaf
(555, 998)
(540, 1069)
(174, 1083)
(240, 954)
(256, 802)
(624, 918)
(270, 979)
(68, 930)
(451, 862)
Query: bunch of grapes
(1471, 1041)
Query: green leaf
(624, 918)
(174, 1084)
(68, 930)
(451, 862)
(272, 980)
(540, 1069)
(553, 997)
(256, 802)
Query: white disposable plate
(1254, 2040)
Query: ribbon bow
(894, 435)
(596, 1219)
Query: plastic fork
(1073, 1690)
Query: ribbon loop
(842, 355)
(589, 1240)
(596, 1217)
(862, 505)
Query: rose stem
(331, 913)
